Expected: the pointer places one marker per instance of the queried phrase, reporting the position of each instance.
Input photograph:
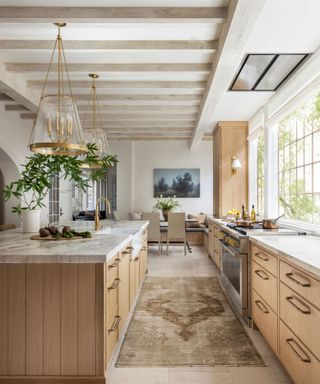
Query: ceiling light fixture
(95, 132)
(57, 128)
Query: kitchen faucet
(96, 214)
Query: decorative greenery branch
(36, 178)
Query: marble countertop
(304, 251)
(17, 247)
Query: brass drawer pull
(306, 282)
(115, 264)
(114, 284)
(261, 306)
(259, 256)
(130, 248)
(136, 258)
(126, 252)
(296, 348)
(306, 310)
(262, 274)
(115, 324)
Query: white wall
(14, 138)
(135, 173)
(9, 173)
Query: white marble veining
(17, 247)
(304, 251)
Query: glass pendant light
(93, 127)
(57, 129)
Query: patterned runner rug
(185, 321)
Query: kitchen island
(64, 303)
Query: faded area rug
(185, 321)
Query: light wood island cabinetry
(61, 321)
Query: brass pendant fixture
(57, 129)
(93, 127)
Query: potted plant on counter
(166, 205)
(36, 178)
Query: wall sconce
(235, 164)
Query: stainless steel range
(236, 263)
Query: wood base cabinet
(61, 323)
(299, 362)
(286, 309)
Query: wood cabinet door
(136, 264)
(124, 287)
(131, 282)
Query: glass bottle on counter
(253, 215)
(243, 212)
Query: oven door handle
(229, 249)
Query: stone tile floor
(197, 263)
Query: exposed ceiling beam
(81, 68)
(17, 90)
(109, 118)
(145, 129)
(139, 97)
(15, 107)
(111, 14)
(4, 97)
(141, 109)
(134, 119)
(202, 45)
(148, 138)
(242, 17)
(125, 84)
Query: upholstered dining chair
(153, 228)
(177, 229)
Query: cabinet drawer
(302, 366)
(265, 259)
(265, 319)
(112, 300)
(265, 285)
(306, 286)
(112, 337)
(301, 317)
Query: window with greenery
(260, 175)
(54, 205)
(299, 163)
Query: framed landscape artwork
(176, 182)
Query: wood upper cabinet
(229, 190)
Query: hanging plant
(35, 181)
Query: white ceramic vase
(31, 220)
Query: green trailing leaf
(39, 170)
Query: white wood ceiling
(156, 59)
